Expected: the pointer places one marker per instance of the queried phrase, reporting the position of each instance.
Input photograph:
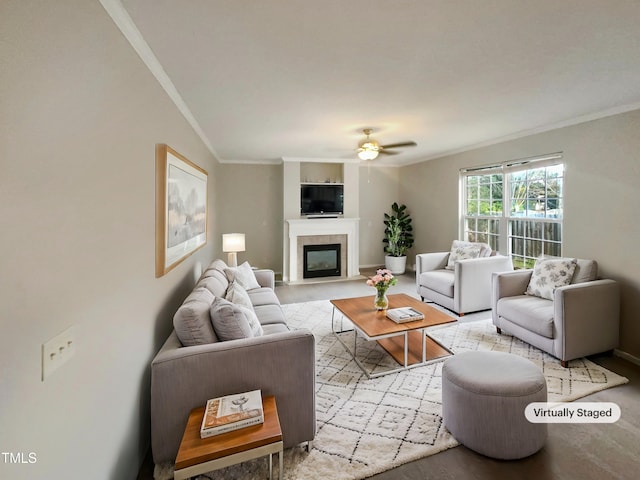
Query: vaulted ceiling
(263, 80)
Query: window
(484, 201)
(515, 207)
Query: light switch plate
(57, 351)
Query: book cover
(404, 314)
(225, 414)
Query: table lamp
(232, 243)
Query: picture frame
(181, 208)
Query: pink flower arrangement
(382, 280)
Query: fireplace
(304, 231)
(321, 260)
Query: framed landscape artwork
(181, 208)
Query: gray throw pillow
(233, 322)
(238, 295)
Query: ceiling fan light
(366, 154)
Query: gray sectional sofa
(194, 365)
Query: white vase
(397, 265)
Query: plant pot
(397, 265)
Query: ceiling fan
(368, 149)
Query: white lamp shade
(367, 154)
(233, 242)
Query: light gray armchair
(582, 319)
(465, 288)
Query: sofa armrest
(586, 318)
(481, 269)
(473, 281)
(426, 262)
(183, 378)
(266, 278)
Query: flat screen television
(321, 199)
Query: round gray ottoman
(484, 395)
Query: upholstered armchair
(460, 279)
(582, 318)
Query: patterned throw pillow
(244, 275)
(462, 251)
(549, 274)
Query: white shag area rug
(367, 426)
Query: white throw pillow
(238, 295)
(549, 274)
(462, 251)
(243, 274)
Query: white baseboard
(410, 268)
(373, 265)
(627, 356)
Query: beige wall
(379, 188)
(602, 199)
(80, 115)
(249, 199)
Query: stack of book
(404, 314)
(232, 412)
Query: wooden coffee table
(201, 455)
(408, 343)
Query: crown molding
(609, 112)
(128, 28)
(320, 160)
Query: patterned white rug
(365, 427)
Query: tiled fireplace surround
(323, 231)
(322, 240)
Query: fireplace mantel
(301, 227)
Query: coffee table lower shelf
(395, 347)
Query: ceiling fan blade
(399, 145)
(387, 152)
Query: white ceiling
(263, 80)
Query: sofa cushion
(270, 314)
(233, 322)
(238, 295)
(214, 281)
(586, 271)
(215, 266)
(461, 250)
(192, 321)
(275, 328)
(440, 281)
(263, 296)
(532, 313)
(243, 274)
(549, 274)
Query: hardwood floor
(572, 451)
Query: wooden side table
(201, 455)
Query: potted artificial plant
(398, 238)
